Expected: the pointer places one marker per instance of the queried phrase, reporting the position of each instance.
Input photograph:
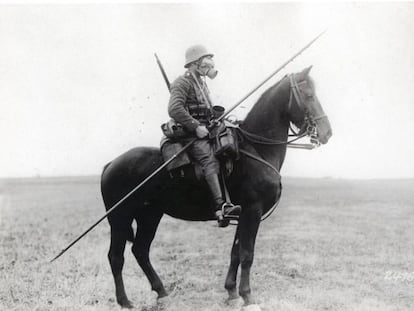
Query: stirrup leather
(229, 210)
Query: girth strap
(250, 155)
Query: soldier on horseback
(190, 106)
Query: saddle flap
(170, 148)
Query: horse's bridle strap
(309, 124)
(297, 94)
(319, 117)
(294, 87)
(250, 155)
(253, 138)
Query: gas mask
(206, 68)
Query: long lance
(180, 151)
(270, 76)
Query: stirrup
(230, 211)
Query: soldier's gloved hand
(201, 131)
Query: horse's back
(126, 171)
(184, 198)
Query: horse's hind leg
(147, 225)
(116, 260)
(231, 278)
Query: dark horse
(253, 184)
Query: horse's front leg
(248, 227)
(231, 278)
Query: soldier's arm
(176, 106)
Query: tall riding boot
(215, 190)
(221, 208)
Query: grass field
(330, 245)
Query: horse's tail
(105, 167)
(128, 231)
(102, 177)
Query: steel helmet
(194, 53)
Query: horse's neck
(269, 118)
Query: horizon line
(51, 177)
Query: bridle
(307, 129)
(309, 124)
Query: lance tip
(52, 260)
(60, 254)
(325, 30)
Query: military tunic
(188, 107)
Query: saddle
(223, 137)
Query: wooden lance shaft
(270, 76)
(185, 147)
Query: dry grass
(328, 247)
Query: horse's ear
(307, 70)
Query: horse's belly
(187, 200)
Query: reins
(257, 139)
(309, 123)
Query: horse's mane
(265, 97)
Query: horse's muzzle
(324, 130)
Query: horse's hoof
(163, 301)
(252, 307)
(125, 303)
(162, 294)
(232, 295)
(234, 303)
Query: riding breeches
(202, 152)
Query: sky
(79, 84)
